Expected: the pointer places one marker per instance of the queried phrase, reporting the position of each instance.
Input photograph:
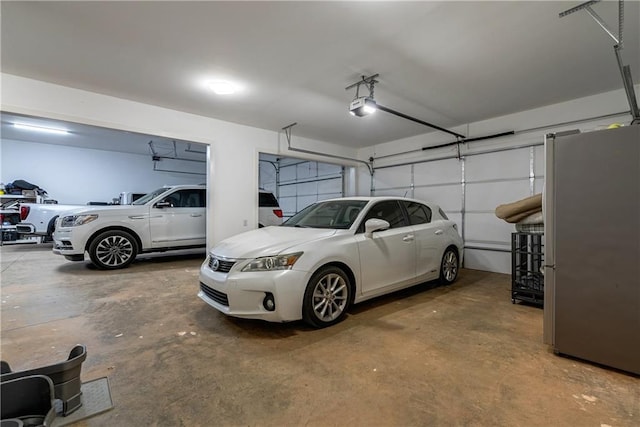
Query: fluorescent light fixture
(41, 129)
(362, 106)
(223, 87)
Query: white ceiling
(98, 138)
(448, 63)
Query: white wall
(234, 149)
(74, 175)
(489, 179)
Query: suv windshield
(149, 196)
(330, 214)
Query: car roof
(185, 186)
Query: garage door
(298, 183)
(468, 190)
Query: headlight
(75, 220)
(270, 263)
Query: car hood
(268, 241)
(109, 210)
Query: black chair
(64, 375)
(27, 401)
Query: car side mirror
(161, 205)
(375, 224)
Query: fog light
(268, 302)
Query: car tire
(327, 297)
(113, 249)
(449, 266)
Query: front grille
(223, 266)
(217, 296)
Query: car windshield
(150, 196)
(338, 214)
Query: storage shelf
(11, 214)
(527, 261)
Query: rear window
(418, 214)
(268, 200)
(442, 214)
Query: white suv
(168, 218)
(269, 212)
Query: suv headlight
(75, 220)
(270, 263)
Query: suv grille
(217, 296)
(217, 264)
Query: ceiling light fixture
(35, 128)
(222, 87)
(365, 105)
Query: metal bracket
(368, 82)
(625, 70)
(287, 132)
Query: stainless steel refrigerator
(592, 252)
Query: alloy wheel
(330, 297)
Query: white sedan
(328, 256)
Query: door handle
(196, 215)
(438, 232)
(408, 238)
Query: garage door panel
(538, 160)
(325, 169)
(287, 190)
(538, 185)
(439, 172)
(287, 173)
(397, 192)
(307, 188)
(449, 197)
(326, 196)
(330, 186)
(306, 170)
(486, 227)
(288, 205)
(497, 262)
(501, 165)
(487, 196)
(393, 177)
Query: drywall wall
(74, 175)
(232, 172)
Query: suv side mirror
(163, 204)
(375, 224)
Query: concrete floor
(430, 355)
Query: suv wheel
(113, 249)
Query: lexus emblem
(215, 264)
